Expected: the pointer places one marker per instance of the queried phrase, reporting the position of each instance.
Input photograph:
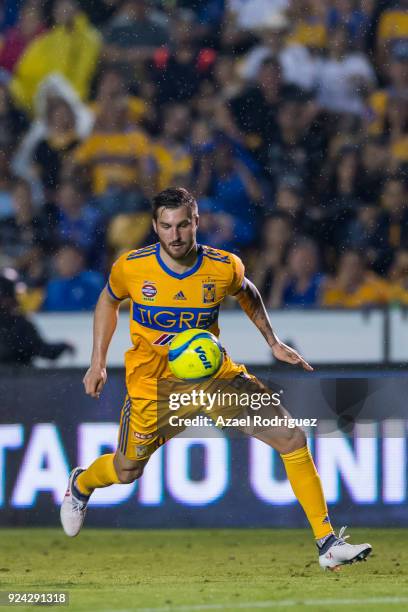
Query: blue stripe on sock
(327, 544)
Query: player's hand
(282, 352)
(94, 381)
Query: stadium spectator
(72, 287)
(113, 155)
(396, 87)
(226, 78)
(61, 121)
(343, 188)
(100, 12)
(392, 26)
(127, 231)
(208, 107)
(353, 16)
(251, 14)
(23, 230)
(25, 240)
(289, 201)
(78, 222)
(309, 18)
(370, 9)
(230, 110)
(20, 341)
(170, 151)
(209, 14)
(395, 205)
(398, 277)
(300, 283)
(71, 48)
(232, 192)
(133, 35)
(277, 232)
(345, 76)
(111, 87)
(299, 65)
(373, 160)
(339, 198)
(13, 123)
(396, 129)
(367, 234)
(287, 151)
(178, 68)
(354, 286)
(201, 139)
(33, 275)
(253, 111)
(50, 153)
(30, 24)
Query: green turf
(131, 570)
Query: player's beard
(178, 253)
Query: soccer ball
(195, 354)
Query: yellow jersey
(112, 158)
(164, 303)
(372, 291)
(174, 164)
(393, 24)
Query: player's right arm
(104, 325)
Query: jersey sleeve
(237, 275)
(116, 285)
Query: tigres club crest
(208, 293)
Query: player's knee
(296, 439)
(126, 476)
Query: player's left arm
(252, 304)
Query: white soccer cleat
(336, 552)
(73, 509)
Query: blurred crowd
(288, 120)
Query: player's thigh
(266, 418)
(283, 437)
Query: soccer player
(175, 285)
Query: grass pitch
(199, 570)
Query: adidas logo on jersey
(179, 296)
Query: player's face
(176, 229)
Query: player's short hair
(174, 197)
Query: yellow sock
(307, 487)
(101, 473)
